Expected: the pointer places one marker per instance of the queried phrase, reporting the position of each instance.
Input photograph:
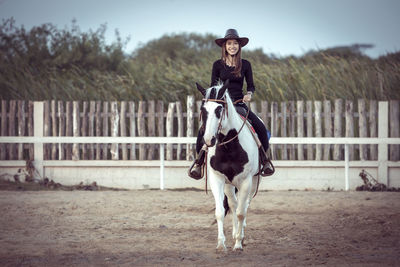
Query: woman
(231, 66)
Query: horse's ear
(221, 91)
(201, 89)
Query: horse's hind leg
(244, 196)
(217, 187)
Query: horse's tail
(226, 205)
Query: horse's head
(212, 111)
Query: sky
(280, 27)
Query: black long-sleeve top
(222, 72)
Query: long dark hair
(238, 59)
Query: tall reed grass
(79, 66)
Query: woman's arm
(249, 78)
(215, 74)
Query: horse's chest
(230, 159)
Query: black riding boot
(267, 168)
(196, 170)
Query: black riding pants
(255, 121)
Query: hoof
(238, 248)
(221, 249)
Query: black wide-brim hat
(232, 34)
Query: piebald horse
(232, 160)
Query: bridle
(223, 115)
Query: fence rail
(147, 119)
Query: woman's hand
(247, 98)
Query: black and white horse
(232, 161)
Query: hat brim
(242, 41)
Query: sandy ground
(169, 228)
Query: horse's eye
(218, 112)
(204, 114)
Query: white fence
(387, 172)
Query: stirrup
(268, 169)
(196, 171)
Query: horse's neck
(233, 120)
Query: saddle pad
(254, 134)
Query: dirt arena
(170, 228)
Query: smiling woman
(233, 71)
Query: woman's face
(232, 47)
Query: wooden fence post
(362, 125)
(54, 131)
(373, 128)
(151, 127)
(198, 108)
(21, 127)
(105, 128)
(46, 129)
(328, 127)
(283, 129)
(310, 150)
(61, 129)
(337, 151)
(179, 115)
(132, 127)
(318, 128)
(160, 125)
(75, 123)
(3, 128)
(190, 126)
(383, 121)
(38, 108)
(264, 114)
(92, 110)
(30, 128)
(292, 128)
(170, 129)
(394, 118)
(142, 128)
(274, 128)
(160, 118)
(68, 128)
(114, 129)
(300, 128)
(350, 126)
(123, 129)
(84, 128)
(98, 128)
(11, 129)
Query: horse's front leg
(244, 197)
(217, 187)
(232, 202)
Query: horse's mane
(212, 92)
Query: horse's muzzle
(212, 142)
